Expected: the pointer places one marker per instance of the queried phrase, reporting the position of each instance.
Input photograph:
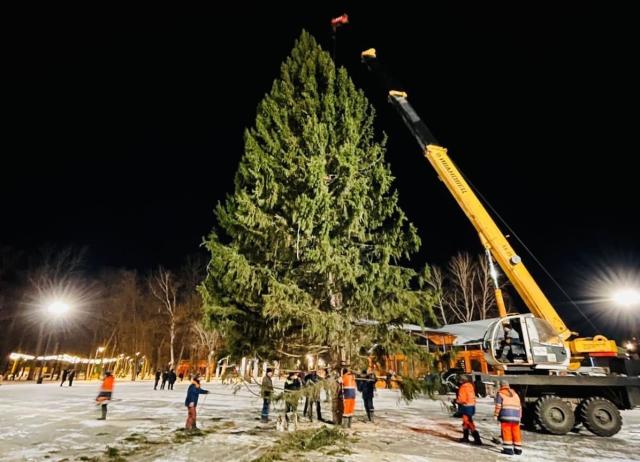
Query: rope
(506, 225)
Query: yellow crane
(552, 368)
(497, 245)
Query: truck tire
(554, 415)
(600, 416)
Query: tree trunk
(172, 333)
(210, 363)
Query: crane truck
(552, 369)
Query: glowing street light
(627, 297)
(58, 308)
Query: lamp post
(627, 297)
(55, 310)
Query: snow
(52, 423)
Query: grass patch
(136, 438)
(304, 440)
(114, 454)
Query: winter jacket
(292, 384)
(367, 385)
(348, 386)
(192, 394)
(508, 407)
(466, 399)
(266, 389)
(107, 383)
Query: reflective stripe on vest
(511, 410)
(348, 386)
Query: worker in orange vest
(508, 411)
(348, 396)
(104, 396)
(466, 401)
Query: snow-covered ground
(52, 423)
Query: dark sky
(122, 132)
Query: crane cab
(520, 342)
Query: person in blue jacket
(191, 402)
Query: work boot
(476, 438)
(465, 436)
(348, 422)
(104, 413)
(517, 451)
(508, 451)
(371, 417)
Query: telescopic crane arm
(491, 237)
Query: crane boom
(490, 235)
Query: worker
(466, 402)
(367, 386)
(191, 402)
(104, 396)
(348, 396)
(508, 411)
(511, 346)
(633, 348)
(337, 403)
(266, 391)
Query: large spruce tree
(309, 250)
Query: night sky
(122, 132)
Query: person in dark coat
(158, 375)
(65, 372)
(311, 380)
(266, 391)
(71, 376)
(367, 386)
(292, 385)
(191, 402)
(165, 377)
(172, 378)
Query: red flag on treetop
(339, 21)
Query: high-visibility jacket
(107, 383)
(348, 394)
(466, 399)
(508, 407)
(348, 386)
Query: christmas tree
(308, 253)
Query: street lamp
(56, 309)
(626, 297)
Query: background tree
(164, 288)
(465, 291)
(312, 245)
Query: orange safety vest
(348, 386)
(466, 395)
(508, 407)
(107, 383)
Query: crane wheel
(600, 416)
(554, 415)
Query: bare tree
(164, 288)
(485, 293)
(465, 292)
(210, 340)
(436, 280)
(461, 297)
